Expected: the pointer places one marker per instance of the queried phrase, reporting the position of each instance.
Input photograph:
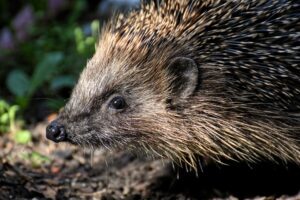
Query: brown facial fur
(246, 105)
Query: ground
(68, 172)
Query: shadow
(238, 180)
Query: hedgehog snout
(56, 132)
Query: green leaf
(35, 158)
(90, 41)
(62, 82)
(18, 83)
(12, 111)
(79, 36)
(81, 47)
(12, 115)
(4, 119)
(22, 137)
(95, 26)
(3, 106)
(38, 159)
(45, 69)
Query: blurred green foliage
(23, 86)
(22, 136)
(51, 59)
(43, 66)
(36, 159)
(10, 124)
(7, 117)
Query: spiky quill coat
(246, 105)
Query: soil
(68, 172)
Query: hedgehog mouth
(89, 140)
(71, 141)
(85, 142)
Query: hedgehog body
(218, 79)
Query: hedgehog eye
(117, 103)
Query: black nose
(56, 132)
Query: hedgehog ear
(185, 73)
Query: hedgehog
(185, 79)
